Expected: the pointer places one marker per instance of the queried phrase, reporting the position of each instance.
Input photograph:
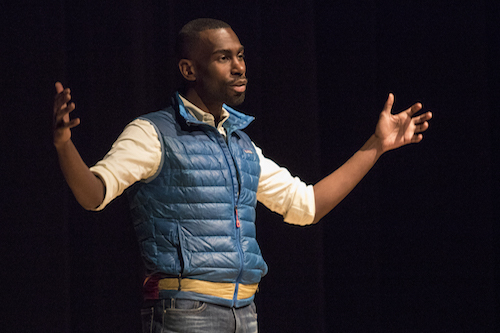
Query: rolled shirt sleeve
(284, 194)
(134, 156)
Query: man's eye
(241, 56)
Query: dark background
(412, 249)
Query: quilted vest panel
(196, 218)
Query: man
(193, 179)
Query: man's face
(220, 67)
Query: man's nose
(239, 67)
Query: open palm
(396, 130)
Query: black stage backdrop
(412, 249)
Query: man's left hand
(396, 130)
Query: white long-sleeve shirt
(136, 156)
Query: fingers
(59, 87)
(61, 99)
(389, 103)
(422, 118)
(62, 108)
(62, 120)
(61, 112)
(417, 138)
(73, 123)
(421, 123)
(62, 95)
(415, 108)
(421, 127)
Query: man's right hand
(61, 122)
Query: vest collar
(236, 120)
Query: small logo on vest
(248, 151)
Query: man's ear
(186, 67)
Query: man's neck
(215, 108)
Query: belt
(217, 289)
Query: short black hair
(190, 33)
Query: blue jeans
(179, 316)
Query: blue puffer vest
(196, 217)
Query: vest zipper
(238, 223)
(229, 160)
(240, 251)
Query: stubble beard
(236, 100)
(228, 96)
(223, 93)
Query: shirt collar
(203, 116)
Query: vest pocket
(168, 246)
(182, 253)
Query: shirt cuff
(108, 195)
(303, 212)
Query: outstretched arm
(392, 131)
(87, 188)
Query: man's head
(211, 60)
(190, 34)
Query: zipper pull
(237, 218)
